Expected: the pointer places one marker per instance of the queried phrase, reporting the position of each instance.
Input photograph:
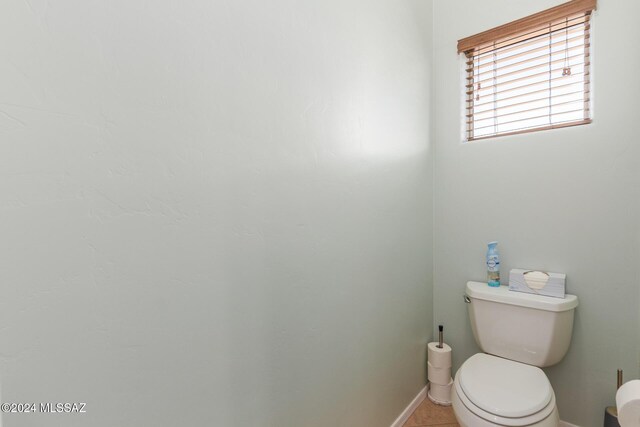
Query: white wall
(564, 200)
(215, 213)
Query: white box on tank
(537, 282)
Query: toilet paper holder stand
(619, 378)
(611, 412)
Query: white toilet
(519, 333)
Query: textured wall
(215, 213)
(564, 200)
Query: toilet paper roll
(628, 403)
(440, 376)
(440, 394)
(439, 357)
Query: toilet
(519, 333)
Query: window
(529, 75)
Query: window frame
(513, 33)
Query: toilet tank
(527, 328)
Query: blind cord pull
(566, 71)
(478, 79)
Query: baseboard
(404, 416)
(566, 424)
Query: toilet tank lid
(502, 294)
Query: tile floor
(430, 414)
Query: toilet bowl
(492, 391)
(518, 333)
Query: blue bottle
(493, 265)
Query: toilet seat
(504, 392)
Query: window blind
(534, 76)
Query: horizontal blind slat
(576, 101)
(518, 79)
(499, 92)
(558, 125)
(473, 82)
(528, 118)
(507, 64)
(494, 110)
(525, 94)
(581, 31)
